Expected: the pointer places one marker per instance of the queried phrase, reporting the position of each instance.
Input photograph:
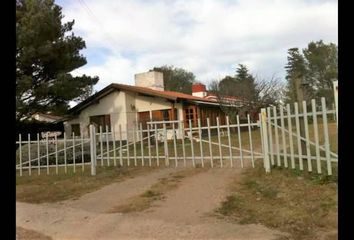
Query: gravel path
(183, 214)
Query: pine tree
(296, 73)
(46, 52)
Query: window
(189, 114)
(101, 121)
(75, 128)
(165, 115)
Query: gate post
(335, 87)
(265, 140)
(93, 149)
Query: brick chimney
(151, 79)
(199, 90)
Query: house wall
(113, 104)
(144, 104)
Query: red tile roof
(171, 95)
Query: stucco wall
(143, 104)
(113, 104)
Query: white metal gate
(315, 149)
(169, 143)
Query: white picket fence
(275, 139)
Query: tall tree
(296, 75)
(315, 66)
(242, 84)
(46, 52)
(229, 86)
(322, 67)
(176, 79)
(249, 94)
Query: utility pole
(300, 96)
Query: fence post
(335, 87)
(92, 150)
(265, 140)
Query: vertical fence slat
(157, 147)
(308, 150)
(229, 140)
(38, 155)
(290, 129)
(56, 154)
(285, 156)
(167, 157)
(74, 157)
(107, 146)
(93, 149)
(120, 145)
(210, 146)
(174, 143)
(317, 143)
(47, 151)
(219, 141)
(270, 133)
(149, 143)
(183, 146)
(335, 88)
(82, 152)
(297, 123)
(326, 137)
(128, 153)
(266, 161)
(101, 145)
(29, 155)
(200, 143)
(239, 139)
(65, 158)
(261, 130)
(191, 140)
(276, 135)
(141, 144)
(114, 146)
(20, 152)
(134, 144)
(250, 138)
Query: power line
(96, 20)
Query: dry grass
(25, 234)
(299, 203)
(156, 192)
(52, 188)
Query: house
(126, 105)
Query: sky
(207, 37)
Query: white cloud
(206, 37)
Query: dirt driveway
(184, 213)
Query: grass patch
(156, 192)
(305, 206)
(52, 188)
